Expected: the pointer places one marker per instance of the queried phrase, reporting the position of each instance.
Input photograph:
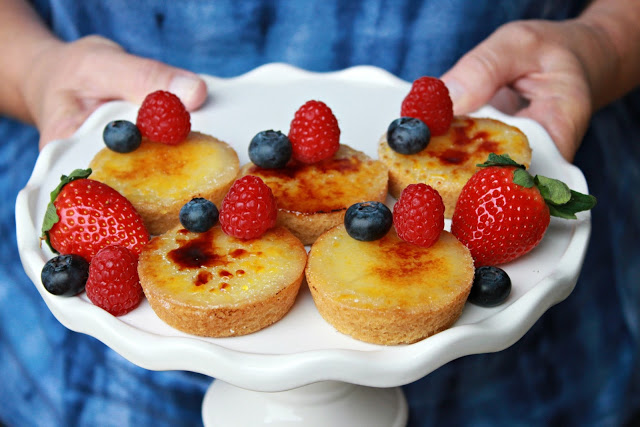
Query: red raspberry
(429, 101)
(249, 208)
(418, 215)
(113, 282)
(162, 117)
(314, 133)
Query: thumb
(132, 78)
(148, 76)
(483, 74)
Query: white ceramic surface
(302, 348)
(327, 403)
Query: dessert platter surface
(302, 348)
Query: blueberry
(198, 215)
(491, 286)
(368, 221)
(122, 136)
(407, 135)
(65, 275)
(270, 149)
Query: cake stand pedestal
(327, 403)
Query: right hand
(69, 81)
(531, 69)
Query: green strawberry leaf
(50, 215)
(499, 160)
(577, 203)
(553, 190)
(523, 178)
(563, 202)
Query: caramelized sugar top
(156, 172)
(326, 186)
(212, 268)
(455, 154)
(390, 273)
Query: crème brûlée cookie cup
(159, 178)
(313, 198)
(388, 291)
(449, 160)
(215, 285)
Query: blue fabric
(577, 366)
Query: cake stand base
(327, 403)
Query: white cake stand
(300, 370)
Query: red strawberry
(162, 117)
(85, 216)
(249, 209)
(418, 215)
(113, 282)
(429, 101)
(314, 133)
(503, 212)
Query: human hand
(69, 81)
(546, 71)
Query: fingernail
(185, 88)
